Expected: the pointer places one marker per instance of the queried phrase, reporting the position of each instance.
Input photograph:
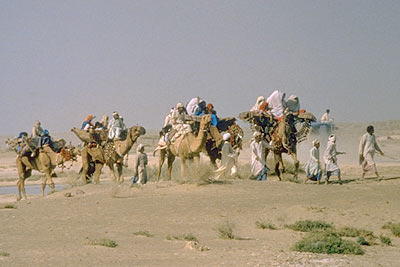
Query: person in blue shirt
(214, 118)
(46, 140)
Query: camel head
(136, 131)
(205, 122)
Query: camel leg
(85, 165)
(47, 177)
(97, 172)
(21, 189)
(115, 179)
(183, 167)
(161, 160)
(171, 159)
(278, 165)
(119, 171)
(296, 165)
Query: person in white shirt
(366, 151)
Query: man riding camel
(116, 127)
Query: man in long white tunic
(277, 104)
(331, 165)
(313, 167)
(366, 151)
(258, 165)
(228, 156)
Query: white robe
(367, 148)
(312, 167)
(277, 103)
(330, 157)
(192, 106)
(257, 150)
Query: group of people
(180, 119)
(276, 105)
(28, 145)
(367, 148)
(116, 126)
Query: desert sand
(57, 230)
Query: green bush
(361, 240)
(308, 226)
(385, 240)
(394, 227)
(327, 242)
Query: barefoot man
(366, 151)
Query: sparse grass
(143, 233)
(103, 242)
(4, 254)
(8, 206)
(385, 240)
(328, 242)
(308, 226)
(354, 232)
(226, 231)
(394, 227)
(187, 237)
(261, 224)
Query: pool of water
(30, 189)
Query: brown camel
(111, 153)
(185, 147)
(45, 163)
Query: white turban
(256, 133)
(315, 141)
(332, 138)
(179, 105)
(139, 147)
(226, 136)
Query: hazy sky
(61, 60)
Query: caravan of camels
(278, 125)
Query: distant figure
(116, 126)
(228, 156)
(325, 117)
(313, 167)
(258, 165)
(87, 123)
(276, 102)
(256, 106)
(366, 151)
(331, 166)
(139, 168)
(192, 106)
(37, 131)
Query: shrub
(327, 242)
(385, 240)
(226, 231)
(260, 224)
(143, 233)
(103, 242)
(308, 226)
(4, 254)
(394, 227)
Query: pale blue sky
(61, 60)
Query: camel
(283, 135)
(185, 147)
(110, 153)
(45, 163)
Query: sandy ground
(54, 230)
